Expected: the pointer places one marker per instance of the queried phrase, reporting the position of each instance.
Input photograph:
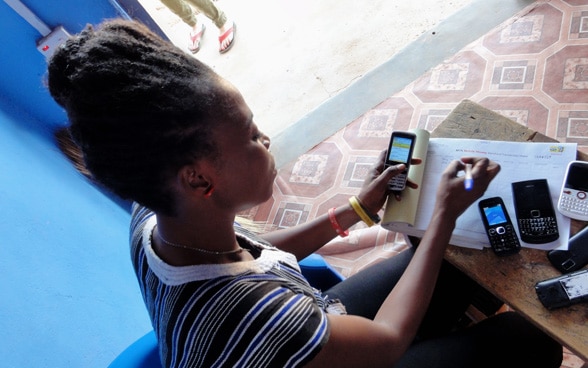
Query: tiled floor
(533, 68)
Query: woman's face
(246, 168)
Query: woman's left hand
(374, 190)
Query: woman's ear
(196, 177)
(192, 179)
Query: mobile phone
(572, 198)
(534, 210)
(400, 151)
(499, 227)
(563, 291)
(575, 257)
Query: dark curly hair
(139, 108)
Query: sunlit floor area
(290, 57)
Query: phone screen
(577, 178)
(532, 199)
(495, 215)
(400, 149)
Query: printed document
(518, 160)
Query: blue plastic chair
(319, 273)
(144, 353)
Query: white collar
(177, 275)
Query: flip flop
(224, 36)
(195, 39)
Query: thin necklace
(234, 251)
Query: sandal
(223, 37)
(195, 39)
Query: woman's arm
(306, 238)
(356, 341)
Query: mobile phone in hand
(499, 227)
(400, 151)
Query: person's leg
(208, 8)
(186, 13)
(453, 294)
(505, 340)
(182, 10)
(363, 293)
(226, 27)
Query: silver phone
(573, 201)
(400, 151)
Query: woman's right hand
(452, 197)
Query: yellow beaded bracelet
(358, 208)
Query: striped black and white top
(260, 313)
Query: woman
(160, 128)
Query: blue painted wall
(23, 67)
(69, 297)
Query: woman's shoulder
(139, 216)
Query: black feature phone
(534, 210)
(563, 291)
(575, 257)
(400, 152)
(573, 198)
(499, 228)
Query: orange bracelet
(342, 233)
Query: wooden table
(512, 278)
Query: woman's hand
(375, 190)
(452, 197)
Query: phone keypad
(574, 204)
(540, 226)
(398, 182)
(503, 239)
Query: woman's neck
(179, 241)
